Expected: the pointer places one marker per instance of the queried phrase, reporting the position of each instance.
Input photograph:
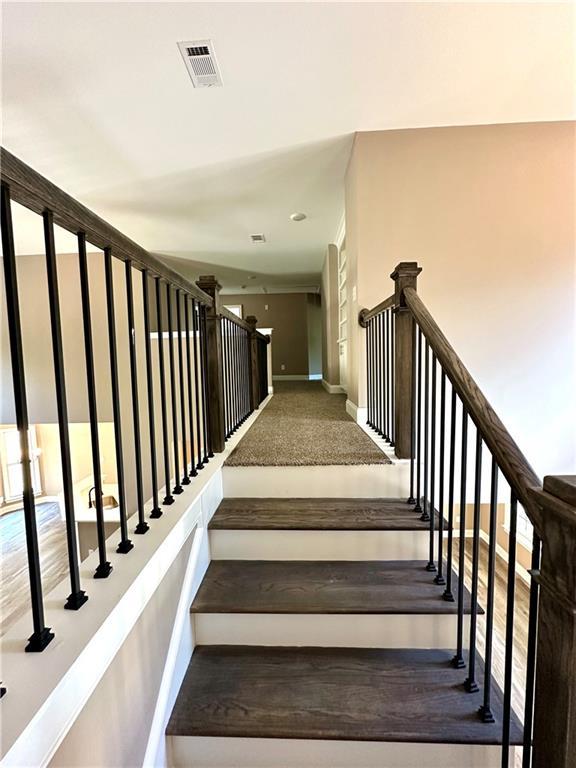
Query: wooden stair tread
(358, 694)
(366, 587)
(316, 514)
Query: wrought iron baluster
(125, 545)
(185, 479)
(418, 508)
(458, 660)
(426, 506)
(77, 596)
(42, 634)
(509, 644)
(142, 526)
(177, 487)
(168, 498)
(485, 711)
(531, 652)
(104, 568)
(193, 471)
(448, 596)
(156, 512)
(439, 579)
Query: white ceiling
(97, 98)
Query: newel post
(254, 363)
(405, 276)
(554, 736)
(215, 383)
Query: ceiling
(97, 98)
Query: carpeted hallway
(305, 426)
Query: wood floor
(15, 586)
(319, 587)
(360, 694)
(316, 514)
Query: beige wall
(330, 352)
(314, 324)
(287, 314)
(489, 214)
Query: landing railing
(466, 471)
(204, 374)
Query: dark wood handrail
(235, 319)
(511, 460)
(32, 190)
(367, 314)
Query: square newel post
(405, 276)
(554, 736)
(254, 363)
(214, 373)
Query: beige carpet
(301, 426)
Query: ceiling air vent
(258, 238)
(201, 63)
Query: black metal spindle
(372, 376)
(447, 595)
(411, 499)
(485, 712)
(392, 379)
(426, 506)
(509, 643)
(418, 508)
(168, 498)
(185, 479)
(187, 304)
(368, 376)
(432, 508)
(204, 351)
(104, 568)
(531, 652)
(142, 526)
(470, 684)
(42, 634)
(378, 371)
(124, 545)
(226, 367)
(197, 377)
(177, 487)
(156, 511)
(439, 578)
(386, 376)
(458, 660)
(77, 597)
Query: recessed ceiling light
(297, 216)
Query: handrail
(32, 190)
(512, 462)
(367, 314)
(235, 319)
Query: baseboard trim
(333, 389)
(358, 414)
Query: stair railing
(203, 381)
(422, 399)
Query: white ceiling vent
(258, 238)
(201, 63)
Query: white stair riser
(318, 545)
(327, 630)
(220, 752)
(368, 481)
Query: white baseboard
(358, 414)
(333, 389)
(297, 377)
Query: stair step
(358, 694)
(317, 587)
(278, 514)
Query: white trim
(297, 377)
(332, 389)
(341, 231)
(268, 291)
(358, 414)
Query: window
(236, 309)
(11, 460)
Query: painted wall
(330, 352)
(489, 214)
(314, 325)
(287, 314)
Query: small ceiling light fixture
(297, 216)
(259, 238)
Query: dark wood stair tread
(359, 694)
(367, 587)
(317, 514)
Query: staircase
(322, 640)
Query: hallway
(303, 425)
